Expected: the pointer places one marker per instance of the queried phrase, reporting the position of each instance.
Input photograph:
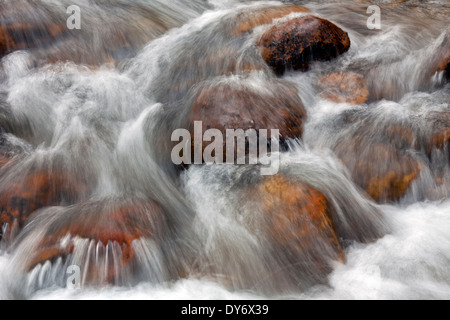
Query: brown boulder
(400, 136)
(438, 140)
(298, 221)
(296, 43)
(381, 169)
(346, 87)
(439, 137)
(5, 160)
(23, 195)
(226, 106)
(26, 36)
(440, 61)
(444, 65)
(250, 19)
(112, 222)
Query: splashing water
(88, 148)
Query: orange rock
(439, 139)
(297, 219)
(443, 63)
(250, 19)
(25, 36)
(293, 45)
(111, 221)
(400, 136)
(382, 170)
(4, 160)
(22, 196)
(224, 106)
(440, 135)
(222, 61)
(346, 87)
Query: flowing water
(102, 123)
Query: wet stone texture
(251, 19)
(346, 87)
(107, 223)
(297, 220)
(384, 168)
(224, 106)
(294, 44)
(15, 37)
(24, 194)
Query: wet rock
(251, 19)
(401, 136)
(236, 106)
(221, 61)
(438, 140)
(293, 45)
(382, 170)
(298, 221)
(27, 36)
(444, 65)
(438, 61)
(439, 136)
(346, 87)
(22, 195)
(111, 226)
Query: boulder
(381, 169)
(439, 136)
(21, 195)
(26, 36)
(105, 223)
(297, 220)
(346, 87)
(294, 44)
(444, 65)
(440, 59)
(250, 19)
(235, 106)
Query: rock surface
(26, 36)
(298, 222)
(106, 223)
(226, 106)
(251, 19)
(294, 44)
(347, 87)
(381, 169)
(23, 195)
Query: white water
(106, 125)
(410, 263)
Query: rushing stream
(86, 124)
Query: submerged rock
(296, 219)
(250, 19)
(346, 87)
(15, 37)
(298, 216)
(440, 61)
(444, 65)
(224, 106)
(439, 136)
(110, 227)
(294, 44)
(382, 170)
(22, 195)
